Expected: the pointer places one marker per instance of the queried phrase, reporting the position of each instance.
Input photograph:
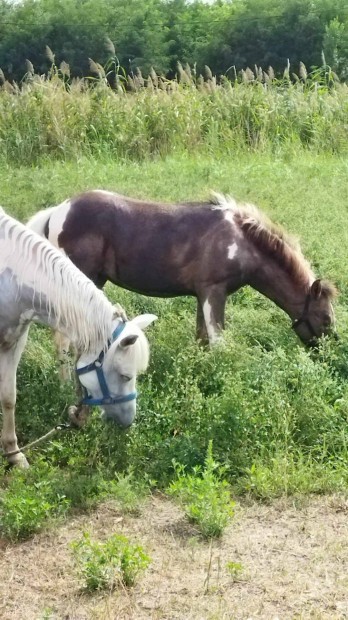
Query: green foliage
(28, 502)
(277, 413)
(47, 117)
(47, 614)
(270, 32)
(39, 368)
(295, 474)
(235, 569)
(104, 565)
(159, 33)
(79, 31)
(336, 46)
(204, 495)
(129, 492)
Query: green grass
(306, 193)
(277, 414)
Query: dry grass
(294, 558)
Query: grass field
(266, 402)
(277, 413)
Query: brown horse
(207, 250)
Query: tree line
(226, 35)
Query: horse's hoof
(18, 460)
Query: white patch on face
(56, 222)
(232, 250)
(213, 333)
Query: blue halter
(97, 365)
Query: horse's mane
(270, 238)
(80, 310)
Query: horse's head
(109, 381)
(317, 318)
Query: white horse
(38, 283)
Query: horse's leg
(213, 301)
(62, 346)
(201, 330)
(9, 360)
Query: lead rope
(59, 427)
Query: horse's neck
(45, 311)
(277, 284)
(46, 282)
(84, 316)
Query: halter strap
(304, 318)
(97, 366)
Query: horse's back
(152, 247)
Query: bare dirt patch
(294, 559)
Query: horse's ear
(316, 289)
(127, 341)
(144, 320)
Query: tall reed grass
(138, 118)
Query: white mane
(224, 203)
(79, 309)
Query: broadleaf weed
(104, 565)
(204, 495)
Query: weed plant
(235, 570)
(29, 502)
(129, 492)
(204, 495)
(104, 565)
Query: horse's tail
(39, 222)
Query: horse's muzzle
(124, 418)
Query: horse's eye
(125, 378)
